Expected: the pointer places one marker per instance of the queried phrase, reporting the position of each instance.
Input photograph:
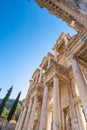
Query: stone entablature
(57, 95)
(74, 18)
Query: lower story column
(43, 118)
(32, 116)
(56, 105)
(18, 122)
(22, 119)
(27, 116)
(81, 84)
(49, 120)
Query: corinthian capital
(71, 57)
(55, 74)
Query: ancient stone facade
(57, 95)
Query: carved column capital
(55, 74)
(71, 57)
(45, 84)
(76, 100)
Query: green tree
(17, 112)
(0, 89)
(12, 111)
(5, 99)
(5, 113)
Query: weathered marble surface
(82, 5)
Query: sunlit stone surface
(57, 95)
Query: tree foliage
(17, 112)
(12, 111)
(5, 113)
(0, 89)
(5, 99)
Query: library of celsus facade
(57, 95)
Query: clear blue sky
(27, 33)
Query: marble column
(66, 40)
(22, 119)
(37, 77)
(81, 119)
(85, 74)
(63, 120)
(81, 84)
(49, 61)
(37, 121)
(80, 115)
(72, 110)
(32, 116)
(43, 118)
(56, 105)
(49, 120)
(27, 116)
(40, 76)
(18, 122)
(55, 55)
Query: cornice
(76, 44)
(56, 69)
(66, 12)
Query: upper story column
(49, 61)
(56, 104)
(55, 55)
(28, 92)
(40, 76)
(43, 118)
(81, 84)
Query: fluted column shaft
(31, 121)
(40, 76)
(80, 114)
(43, 118)
(49, 120)
(22, 119)
(82, 123)
(18, 122)
(55, 55)
(27, 116)
(49, 61)
(56, 105)
(81, 84)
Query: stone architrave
(81, 84)
(43, 118)
(27, 116)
